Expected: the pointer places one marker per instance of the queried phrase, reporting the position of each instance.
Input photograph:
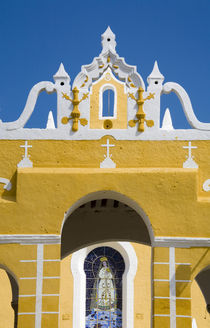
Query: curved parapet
(186, 105)
(29, 107)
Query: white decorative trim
(206, 185)
(186, 105)
(29, 107)
(39, 281)
(172, 279)
(30, 239)
(54, 260)
(103, 88)
(77, 264)
(8, 184)
(181, 242)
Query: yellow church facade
(105, 217)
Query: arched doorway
(9, 299)
(107, 222)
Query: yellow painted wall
(6, 311)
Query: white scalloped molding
(206, 185)
(7, 183)
(77, 268)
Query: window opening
(108, 103)
(104, 267)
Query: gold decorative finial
(140, 113)
(75, 114)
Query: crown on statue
(102, 259)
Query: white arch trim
(111, 195)
(77, 268)
(107, 86)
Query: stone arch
(90, 211)
(203, 279)
(15, 292)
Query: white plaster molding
(77, 268)
(100, 64)
(167, 121)
(30, 239)
(50, 121)
(186, 105)
(101, 105)
(206, 185)
(8, 184)
(29, 107)
(184, 242)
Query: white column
(39, 281)
(172, 278)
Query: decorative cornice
(30, 239)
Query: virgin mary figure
(106, 291)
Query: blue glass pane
(104, 267)
(108, 103)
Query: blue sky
(35, 36)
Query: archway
(9, 298)
(114, 217)
(106, 219)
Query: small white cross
(189, 149)
(26, 146)
(108, 145)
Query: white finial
(25, 162)
(50, 121)
(108, 41)
(107, 162)
(61, 74)
(167, 121)
(155, 74)
(190, 163)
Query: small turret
(108, 41)
(155, 79)
(61, 78)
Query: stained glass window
(104, 267)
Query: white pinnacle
(108, 41)
(155, 74)
(61, 73)
(50, 121)
(167, 121)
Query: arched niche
(77, 267)
(104, 216)
(9, 297)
